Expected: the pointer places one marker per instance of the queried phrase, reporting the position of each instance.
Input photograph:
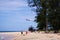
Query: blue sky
(13, 15)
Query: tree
(48, 11)
(31, 29)
(54, 16)
(41, 8)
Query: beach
(29, 36)
(7, 35)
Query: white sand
(37, 36)
(30, 36)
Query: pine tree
(48, 11)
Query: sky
(13, 15)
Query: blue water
(12, 31)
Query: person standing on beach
(21, 32)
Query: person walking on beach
(21, 32)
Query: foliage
(31, 29)
(48, 11)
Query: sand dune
(29, 36)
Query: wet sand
(29, 36)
